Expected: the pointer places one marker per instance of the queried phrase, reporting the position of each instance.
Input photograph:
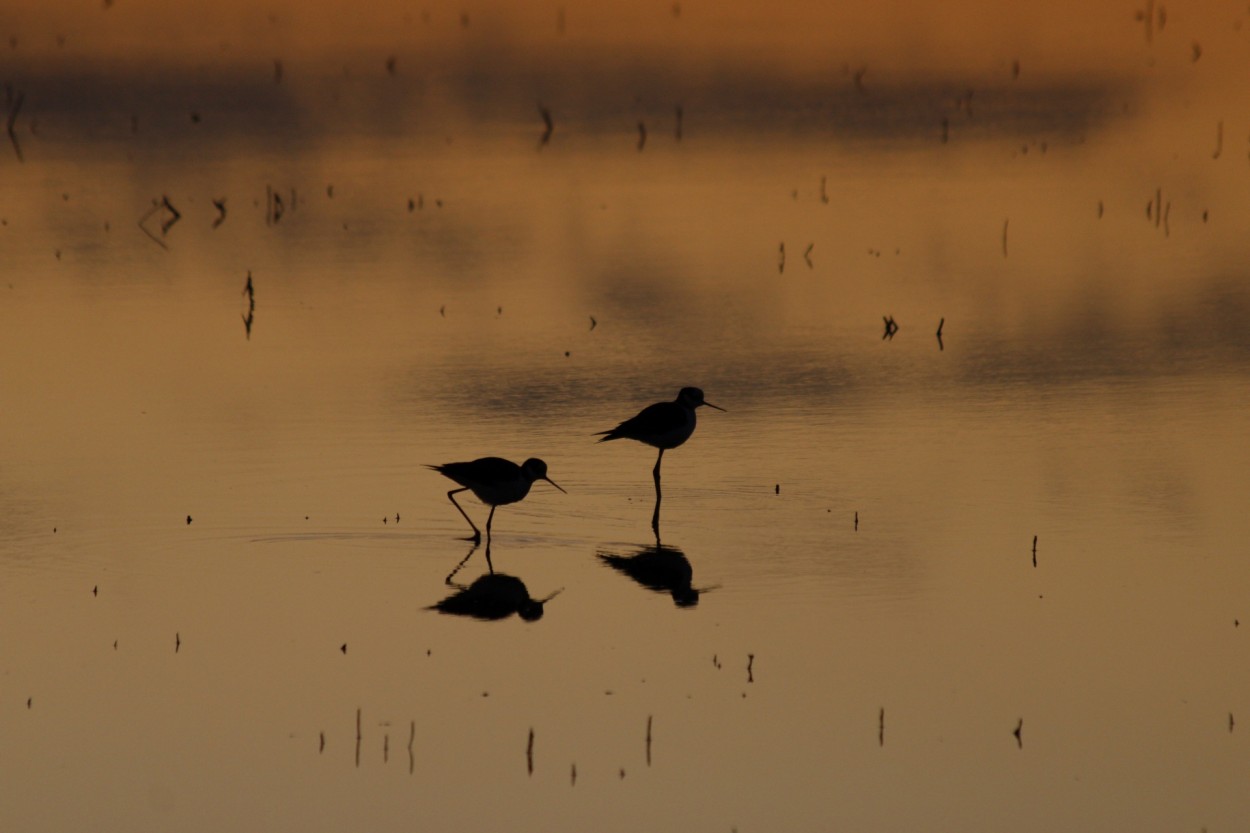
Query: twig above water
(14, 109)
(891, 327)
(550, 125)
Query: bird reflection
(491, 596)
(660, 568)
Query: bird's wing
(659, 418)
(482, 470)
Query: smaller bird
(495, 482)
(663, 425)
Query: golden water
(217, 545)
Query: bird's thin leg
(464, 561)
(489, 565)
(477, 534)
(489, 518)
(655, 517)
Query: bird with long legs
(664, 425)
(495, 482)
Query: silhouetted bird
(663, 425)
(495, 481)
(493, 596)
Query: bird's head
(536, 469)
(693, 398)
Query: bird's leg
(477, 534)
(489, 565)
(463, 561)
(655, 517)
(489, 518)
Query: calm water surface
(993, 583)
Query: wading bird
(663, 425)
(495, 481)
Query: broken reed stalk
(14, 108)
(174, 215)
(1230, 717)
(548, 123)
(143, 225)
(529, 753)
(881, 727)
(12, 121)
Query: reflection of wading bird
(493, 596)
(495, 481)
(663, 425)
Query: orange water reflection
(216, 543)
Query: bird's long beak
(553, 483)
(710, 405)
(548, 598)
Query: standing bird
(495, 481)
(663, 425)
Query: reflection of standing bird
(663, 425)
(660, 568)
(495, 481)
(493, 596)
